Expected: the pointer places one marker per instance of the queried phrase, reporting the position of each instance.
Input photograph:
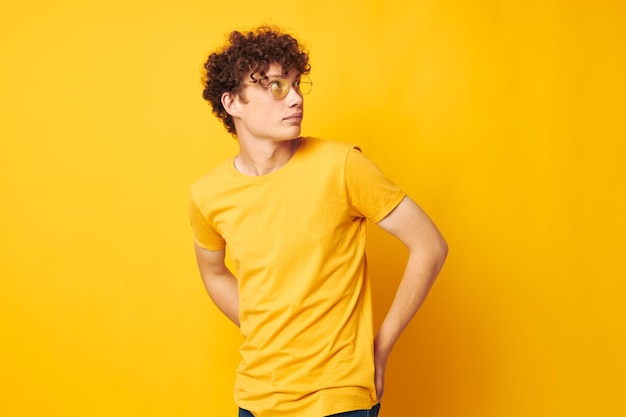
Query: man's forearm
(419, 275)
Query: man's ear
(230, 101)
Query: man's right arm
(220, 283)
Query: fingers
(379, 382)
(380, 389)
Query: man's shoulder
(325, 142)
(212, 177)
(328, 145)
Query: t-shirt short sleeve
(204, 233)
(371, 194)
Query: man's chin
(294, 133)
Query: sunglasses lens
(305, 85)
(279, 88)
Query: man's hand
(380, 363)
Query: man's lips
(295, 116)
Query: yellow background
(503, 119)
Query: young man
(292, 212)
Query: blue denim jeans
(357, 413)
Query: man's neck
(261, 158)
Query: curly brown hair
(249, 53)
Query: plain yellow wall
(503, 119)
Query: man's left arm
(427, 253)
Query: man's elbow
(439, 252)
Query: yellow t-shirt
(296, 237)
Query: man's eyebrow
(277, 76)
